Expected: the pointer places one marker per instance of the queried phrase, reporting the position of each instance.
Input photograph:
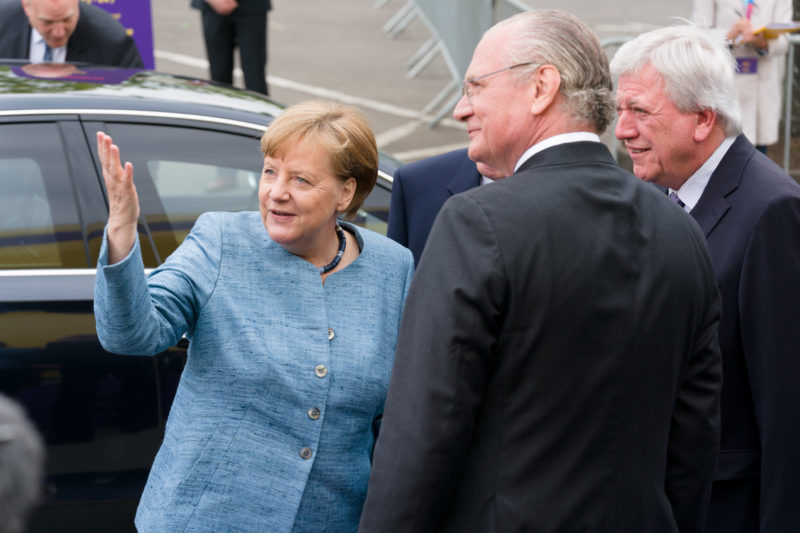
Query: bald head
(54, 19)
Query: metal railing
(788, 98)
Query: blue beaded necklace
(339, 253)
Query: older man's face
(659, 137)
(54, 19)
(497, 113)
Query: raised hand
(123, 202)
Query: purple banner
(135, 16)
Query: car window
(39, 224)
(182, 172)
(374, 213)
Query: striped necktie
(48, 54)
(674, 197)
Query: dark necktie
(48, 53)
(674, 197)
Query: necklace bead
(339, 253)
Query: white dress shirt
(572, 137)
(692, 189)
(37, 49)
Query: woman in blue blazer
(292, 332)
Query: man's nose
(463, 109)
(58, 30)
(625, 128)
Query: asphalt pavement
(339, 50)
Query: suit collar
(713, 204)
(582, 151)
(465, 176)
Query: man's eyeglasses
(466, 88)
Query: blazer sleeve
(694, 435)
(769, 295)
(449, 326)
(136, 315)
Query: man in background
(419, 190)
(231, 24)
(59, 31)
(557, 367)
(680, 120)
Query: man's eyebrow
(69, 16)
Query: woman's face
(299, 198)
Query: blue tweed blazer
(276, 414)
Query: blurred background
(370, 54)
(362, 52)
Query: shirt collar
(37, 49)
(572, 137)
(692, 189)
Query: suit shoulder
(11, 17)
(433, 166)
(100, 23)
(10, 7)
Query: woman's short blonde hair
(344, 134)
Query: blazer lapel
(713, 203)
(466, 177)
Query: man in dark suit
(228, 24)
(558, 366)
(749, 210)
(420, 189)
(61, 31)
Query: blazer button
(306, 454)
(321, 371)
(313, 413)
(331, 334)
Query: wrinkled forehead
(643, 83)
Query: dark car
(195, 148)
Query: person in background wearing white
(761, 61)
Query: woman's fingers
(123, 202)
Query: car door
(102, 415)
(88, 405)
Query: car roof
(29, 88)
(48, 89)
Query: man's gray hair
(555, 37)
(698, 70)
(21, 464)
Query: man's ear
(545, 87)
(704, 124)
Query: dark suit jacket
(558, 367)
(420, 189)
(98, 37)
(750, 214)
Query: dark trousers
(248, 32)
